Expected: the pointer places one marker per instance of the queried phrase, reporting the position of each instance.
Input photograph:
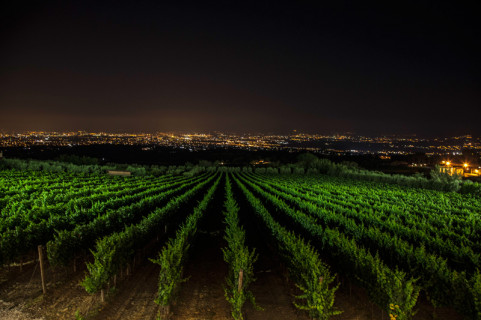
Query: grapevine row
(116, 250)
(310, 274)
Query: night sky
(392, 67)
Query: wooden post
(75, 264)
(42, 275)
(102, 295)
(241, 276)
(115, 280)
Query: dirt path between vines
(135, 296)
(272, 292)
(202, 295)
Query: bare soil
(134, 297)
(201, 297)
(21, 294)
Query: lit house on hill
(463, 169)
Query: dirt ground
(134, 297)
(21, 294)
(201, 297)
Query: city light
(466, 165)
(384, 147)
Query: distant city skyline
(210, 132)
(352, 144)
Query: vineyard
(235, 244)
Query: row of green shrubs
(238, 257)
(114, 251)
(89, 168)
(171, 258)
(307, 164)
(310, 274)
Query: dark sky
(392, 67)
